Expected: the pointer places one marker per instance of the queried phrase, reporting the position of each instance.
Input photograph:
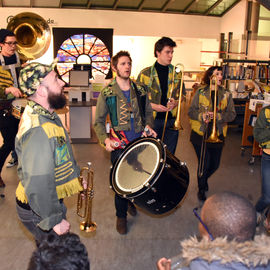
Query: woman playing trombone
(211, 109)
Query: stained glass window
(83, 49)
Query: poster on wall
(87, 47)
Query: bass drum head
(137, 167)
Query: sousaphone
(32, 33)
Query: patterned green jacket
(149, 78)
(202, 102)
(6, 81)
(47, 169)
(112, 102)
(261, 129)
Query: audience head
(64, 252)
(229, 215)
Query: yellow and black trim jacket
(202, 102)
(149, 77)
(47, 169)
(6, 80)
(112, 102)
(261, 129)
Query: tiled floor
(149, 238)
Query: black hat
(5, 33)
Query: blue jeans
(30, 220)
(264, 200)
(170, 136)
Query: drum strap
(141, 103)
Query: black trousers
(211, 162)
(8, 128)
(121, 204)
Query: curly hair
(208, 73)
(63, 252)
(116, 57)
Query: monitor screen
(79, 78)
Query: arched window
(83, 49)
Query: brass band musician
(159, 80)
(9, 71)
(47, 170)
(130, 113)
(201, 113)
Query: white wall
(138, 31)
(234, 21)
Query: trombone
(213, 138)
(86, 196)
(177, 125)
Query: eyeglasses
(10, 43)
(205, 227)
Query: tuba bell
(33, 35)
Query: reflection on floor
(149, 238)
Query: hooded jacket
(223, 254)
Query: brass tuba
(177, 125)
(33, 35)
(86, 196)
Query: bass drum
(150, 176)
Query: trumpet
(86, 196)
(177, 125)
(213, 138)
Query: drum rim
(153, 179)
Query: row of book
(242, 72)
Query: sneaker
(12, 163)
(132, 209)
(2, 184)
(121, 225)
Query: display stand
(247, 135)
(80, 115)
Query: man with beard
(46, 167)
(131, 116)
